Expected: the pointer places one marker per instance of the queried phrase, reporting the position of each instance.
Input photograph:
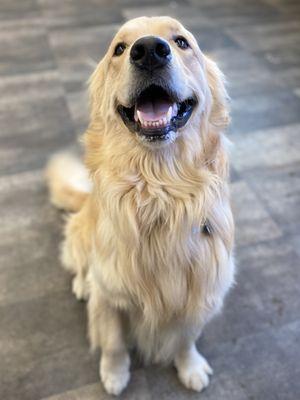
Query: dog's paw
(115, 374)
(80, 288)
(115, 383)
(194, 372)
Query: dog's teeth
(138, 116)
(155, 124)
(174, 110)
(169, 114)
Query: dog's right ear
(92, 138)
(97, 90)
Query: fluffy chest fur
(153, 253)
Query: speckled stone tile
(29, 189)
(78, 51)
(278, 188)
(78, 105)
(262, 110)
(228, 13)
(290, 77)
(186, 14)
(46, 347)
(281, 58)
(266, 37)
(24, 48)
(295, 240)
(248, 74)
(12, 9)
(288, 8)
(255, 303)
(253, 222)
(137, 390)
(274, 147)
(260, 366)
(84, 13)
(39, 378)
(35, 121)
(165, 385)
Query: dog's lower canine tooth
(136, 115)
(174, 110)
(169, 114)
(139, 117)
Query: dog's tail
(68, 181)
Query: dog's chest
(158, 237)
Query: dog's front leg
(106, 332)
(193, 370)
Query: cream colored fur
(136, 245)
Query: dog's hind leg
(193, 370)
(106, 330)
(75, 252)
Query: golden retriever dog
(150, 239)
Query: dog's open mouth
(155, 114)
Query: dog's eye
(181, 42)
(119, 49)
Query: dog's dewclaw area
(48, 49)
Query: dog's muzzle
(156, 111)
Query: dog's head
(154, 82)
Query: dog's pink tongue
(153, 111)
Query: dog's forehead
(160, 26)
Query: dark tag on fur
(207, 229)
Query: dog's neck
(153, 186)
(201, 147)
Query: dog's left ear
(218, 120)
(219, 107)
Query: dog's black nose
(150, 52)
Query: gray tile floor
(47, 50)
